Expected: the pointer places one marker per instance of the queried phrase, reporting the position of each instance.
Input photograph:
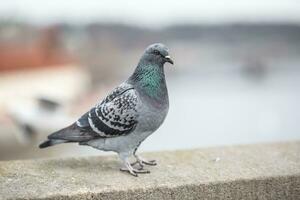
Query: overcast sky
(152, 12)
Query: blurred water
(230, 108)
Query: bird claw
(141, 171)
(129, 171)
(149, 162)
(141, 165)
(142, 162)
(135, 172)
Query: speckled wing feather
(116, 115)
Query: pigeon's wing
(73, 133)
(116, 115)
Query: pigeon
(127, 116)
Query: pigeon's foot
(128, 168)
(141, 162)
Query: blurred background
(236, 78)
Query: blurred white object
(40, 116)
(31, 99)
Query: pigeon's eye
(156, 52)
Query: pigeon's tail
(49, 143)
(69, 134)
(52, 140)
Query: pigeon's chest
(152, 114)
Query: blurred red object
(44, 51)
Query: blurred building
(21, 48)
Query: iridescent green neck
(151, 79)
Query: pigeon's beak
(169, 60)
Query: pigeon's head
(157, 53)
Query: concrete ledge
(263, 171)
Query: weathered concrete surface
(264, 171)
